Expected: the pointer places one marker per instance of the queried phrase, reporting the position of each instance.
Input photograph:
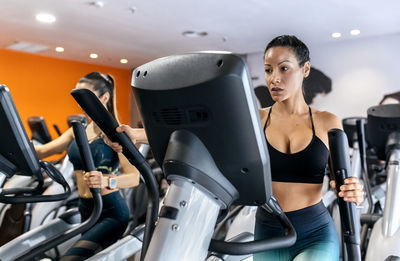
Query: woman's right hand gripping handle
(137, 136)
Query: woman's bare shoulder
(328, 119)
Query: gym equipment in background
(40, 132)
(383, 130)
(17, 156)
(77, 117)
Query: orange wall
(40, 86)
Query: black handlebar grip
(340, 163)
(84, 149)
(83, 145)
(339, 149)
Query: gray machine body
(15, 182)
(386, 231)
(34, 237)
(41, 210)
(186, 237)
(122, 249)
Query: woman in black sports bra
(115, 215)
(298, 148)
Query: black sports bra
(105, 159)
(306, 166)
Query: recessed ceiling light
(46, 18)
(194, 34)
(355, 32)
(123, 60)
(93, 55)
(336, 35)
(59, 49)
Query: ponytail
(103, 83)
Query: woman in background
(115, 215)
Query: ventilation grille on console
(181, 116)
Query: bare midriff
(84, 190)
(295, 196)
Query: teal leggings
(316, 235)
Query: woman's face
(283, 74)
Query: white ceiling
(155, 28)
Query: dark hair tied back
(102, 83)
(292, 42)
